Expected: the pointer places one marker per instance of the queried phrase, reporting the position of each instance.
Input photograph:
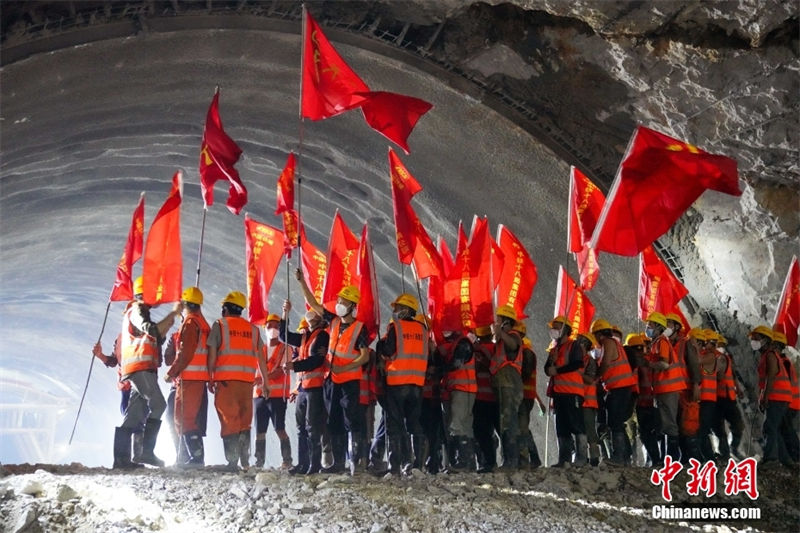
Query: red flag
(658, 179)
(498, 258)
(329, 86)
(585, 205)
(263, 251)
(290, 232)
(518, 276)
(447, 257)
(285, 194)
(123, 285)
(573, 303)
(393, 115)
(462, 242)
(368, 310)
(315, 266)
(218, 155)
(659, 289)
(588, 267)
(787, 316)
(436, 289)
(342, 262)
(162, 265)
(427, 261)
(481, 285)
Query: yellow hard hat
(721, 340)
(675, 318)
(193, 295)
(711, 335)
(350, 293)
(507, 311)
(657, 318)
(698, 334)
(763, 330)
(303, 324)
(600, 324)
(273, 318)
(779, 337)
(526, 342)
(236, 298)
(406, 299)
(520, 327)
(616, 329)
(634, 340)
(138, 285)
(482, 331)
(588, 336)
(559, 318)
(422, 319)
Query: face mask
(668, 332)
(272, 333)
(720, 349)
(341, 310)
(555, 334)
(649, 332)
(755, 345)
(596, 353)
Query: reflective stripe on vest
(708, 384)
(726, 387)
(674, 378)
(363, 389)
(529, 387)
(342, 351)
(311, 379)
(463, 378)
(139, 350)
(278, 387)
(569, 382)
(197, 369)
(237, 356)
(589, 389)
(618, 373)
(500, 358)
(781, 384)
(411, 360)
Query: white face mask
(720, 349)
(341, 310)
(596, 353)
(755, 345)
(272, 333)
(555, 334)
(668, 332)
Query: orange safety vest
(411, 360)
(483, 378)
(569, 382)
(795, 403)
(463, 378)
(781, 384)
(708, 384)
(726, 386)
(363, 388)
(674, 378)
(311, 379)
(529, 386)
(238, 353)
(430, 389)
(589, 389)
(618, 374)
(500, 358)
(139, 350)
(276, 387)
(197, 369)
(342, 351)
(646, 398)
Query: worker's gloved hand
(292, 397)
(298, 274)
(97, 351)
(167, 378)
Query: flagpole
(200, 250)
(419, 291)
(403, 276)
(286, 336)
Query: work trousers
(772, 424)
(269, 410)
(728, 411)
(458, 413)
(233, 401)
(191, 408)
(341, 404)
(146, 400)
(485, 421)
(668, 404)
(619, 408)
(569, 415)
(403, 405)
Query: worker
(775, 388)
(459, 364)
(528, 453)
(505, 367)
(646, 412)
(235, 353)
(687, 350)
(486, 413)
(590, 373)
(728, 391)
(669, 380)
(140, 351)
(348, 351)
(312, 346)
(706, 341)
(789, 423)
(566, 388)
(620, 385)
(189, 373)
(432, 414)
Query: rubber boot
(286, 453)
(618, 449)
(594, 454)
(653, 451)
(230, 444)
(244, 448)
(260, 452)
(467, 451)
(138, 446)
(314, 457)
(565, 447)
(533, 452)
(194, 450)
(354, 451)
(524, 453)
(182, 455)
(734, 449)
(421, 450)
(674, 448)
(581, 448)
(122, 449)
(395, 455)
(510, 453)
(694, 450)
(151, 428)
(339, 449)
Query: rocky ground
(74, 498)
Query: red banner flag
(787, 315)
(585, 205)
(368, 309)
(573, 303)
(436, 289)
(659, 289)
(263, 251)
(658, 179)
(218, 155)
(393, 115)
(284, 197)
(315, 266)
(162, 267)
(498, 258)
(123, 285)
(518, 275)
(290, 231)
(342, 262)
(588, 267)
(481, 285)
(329, 86)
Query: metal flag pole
(200, 250)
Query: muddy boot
(533, 452)
(286, 453)
(421, 450)
(395, 455)
(194, 450)
(618, 449)
(260, 452)
(594, 454)
(338, 449)
(581, 448)
(565, 448)
(510, 454)
(314, 457)
(149, 442)
(244, 448)
(674, 448)
(354, 451)
(122, 449)
(138, 446)
(230, 443)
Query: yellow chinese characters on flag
(264, 251)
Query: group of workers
(447, 406)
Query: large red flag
(393, 115)
(368, 310)
(436, 289)
(658, 179)
(263, 251)
(284, 197)
(787, 316)
(585, 205)
(162, 267)
(659, 289)
(290, 231)
(498, 259)
(342, 262)
(481, 285)
(218, 155)
(573, 303)
(329, 86)
(315, 266)
(123, 285)
(518, 276)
